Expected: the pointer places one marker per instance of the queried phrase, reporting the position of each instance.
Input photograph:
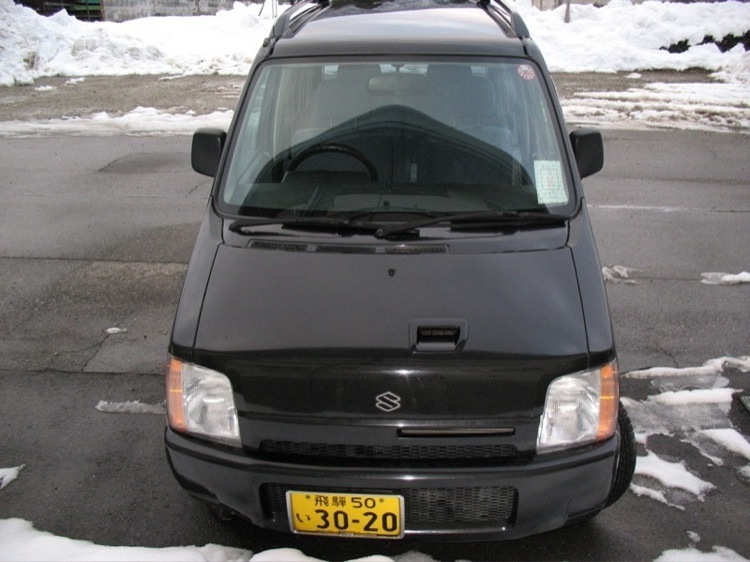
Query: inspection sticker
(526, 72)
(550, 184)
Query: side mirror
(206, 152)
(589, 151)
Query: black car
(394, 322)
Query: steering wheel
(336, 149)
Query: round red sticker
(526, 72)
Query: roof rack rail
(301, 11)
(290, 17)
(511, 17)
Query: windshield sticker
(550, 185)
(526, 72)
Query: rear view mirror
(206, 152)
(589, 151)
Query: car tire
(626, 457)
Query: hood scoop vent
(438, 335)
(393, 249)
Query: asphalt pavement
(95, 233)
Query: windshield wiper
(481, 219)
(245, 226)
(474, 220)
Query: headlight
(580, 408)
(200, 402)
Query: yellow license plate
(352, 515)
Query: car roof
(400, 27)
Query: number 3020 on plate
(351, 515)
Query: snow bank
(35, 46)
(618, 37)
(622, 36)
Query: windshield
(384, 140)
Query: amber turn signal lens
(609, 401)
(175, 402)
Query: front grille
(426, 509)
(366, 454)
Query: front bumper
(547, 493)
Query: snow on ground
(20, 542)
(131, 407)
(692, 404)
(7, 475)
(712, 106)
(717, 278)
(730, 439)
(687, 375)
(619, 37)
(718, 554)
(139, 121)
(618, 273)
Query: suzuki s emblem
(388, 402)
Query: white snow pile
(717, 278)
(139, 121)
(618, 273)
(34, 46)
(692, 405)
(131, 407)
(670, 475)
(692, 554)
(7, 475)
(625, 36)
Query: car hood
(275, 298)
